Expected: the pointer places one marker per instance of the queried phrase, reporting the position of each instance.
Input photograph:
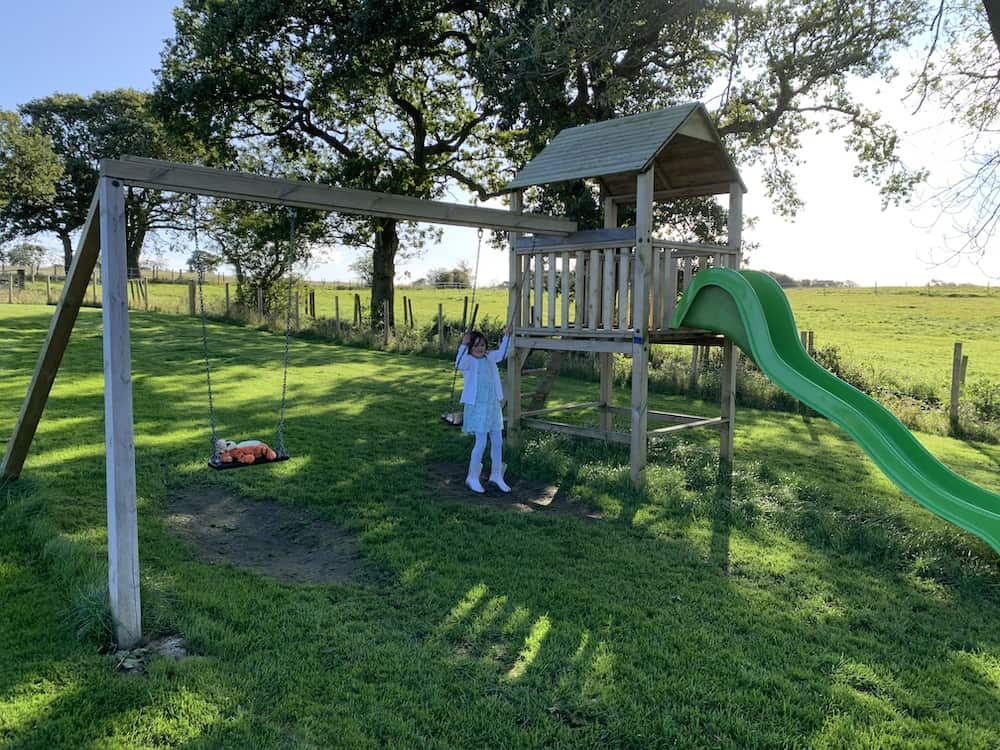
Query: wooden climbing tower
(624, 282)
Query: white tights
(496, 449)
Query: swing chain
(200, 267)
(279, 443)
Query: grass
(815, 607)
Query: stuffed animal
(245, 453)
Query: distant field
(903, 333)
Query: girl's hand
(466, 339)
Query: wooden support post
(48, 290)
(409, 303)
(123, 528)
(440, 328)
(357, 310)
(606, 359)
(734, 240)
(638, 440)
(192, 307)
(74, 291)
(227, 299)
(514, 291)
(956, 386)
(812, 345)
(728, 413)
(693, 375)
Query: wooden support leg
(640, 385)
(123, 537)
(728, 406)
(74, 292)
(607, 388)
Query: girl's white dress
(484, 415)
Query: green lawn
(815, 607)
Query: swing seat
(214, 463)
(452, 418)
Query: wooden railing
(598, 270)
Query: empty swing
(227, 454)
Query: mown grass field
(814, 606)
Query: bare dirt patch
(526, 496)
(286, 544)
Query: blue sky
(82, 46)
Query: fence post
(440, 328)
(191, 297)
(10, 290)
(227, 299)
(956, 386)
(48, 290)
(260, 304)
(336, 313)
(145, 294)
(312, 304)
(93, 287)
(385, 320)
(296, 310)
(409, 303)
(465, 313)
(357, 310)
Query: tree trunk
(67, 251)
(384, 269)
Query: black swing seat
(215, 463)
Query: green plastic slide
(750, 308)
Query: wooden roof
(680, 141)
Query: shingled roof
(683, 143)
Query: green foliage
(29, 169)
(82, 131)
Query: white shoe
(472, 480)
(496, 478)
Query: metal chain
(204, 337)
(279, 446)
(475, 283)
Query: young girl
(482, 396)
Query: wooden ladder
(541, 394)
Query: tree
(27, 255)
(772, 71)
(373, 95)
(82, 131)
(29, 168)
(202, 260)
(962, 75)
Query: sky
(83, 46)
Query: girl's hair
(474, 338)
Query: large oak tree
(369, 95)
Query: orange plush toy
(245, 453)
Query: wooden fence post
(260, 304)
(48, 290)
(10, 290)
(227, 299)
(385, 320)
(409, 303)
(296, 310)
(145, 294)
(336, 313)
(465, 313)
(956, 386)
(192, 308)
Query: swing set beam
(104, 233)
(186, 178)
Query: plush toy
(245, 453)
